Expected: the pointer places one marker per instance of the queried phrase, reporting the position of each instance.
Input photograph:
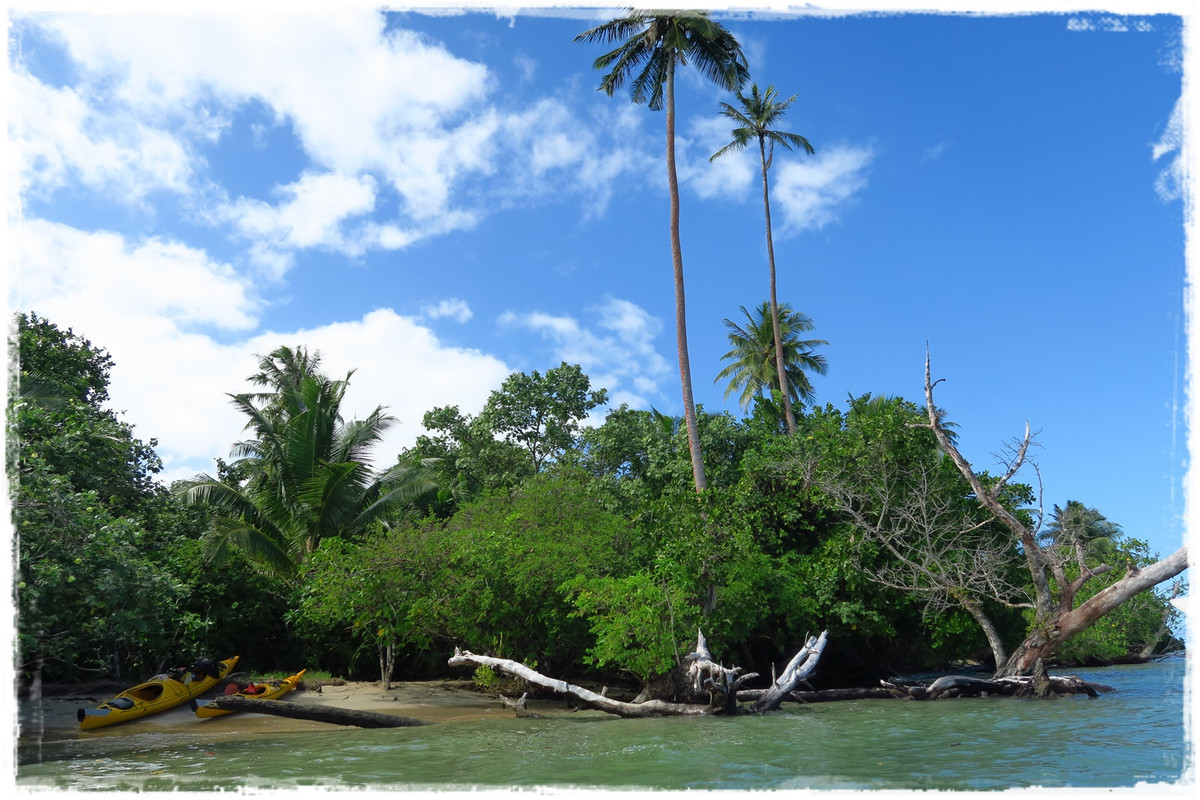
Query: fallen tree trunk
(337, 716)
(823, 695)
(1045, 639)
(799, 668)
(650, 708)
(1021, 686)
(722, 683)
(943, 688)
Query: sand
(428, 701)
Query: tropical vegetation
(578, 550)
(522, 530)
(765, 340)
(305, 473)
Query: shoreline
(53, 717)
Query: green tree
(833, 569)
(919, 530)
(466, 459)
(94, 533)
(58, 407)
(385, 591)
(492, 578)
(530, 422)
(756, 121)
(752, 358)
(651, 45)
(541, 414)
(308, 472)
(641, 455)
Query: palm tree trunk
(685, 370)
(780, 367)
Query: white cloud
(550, 152)
(395, 237)
(731, 175)
(807, 191)
(310, 213)
(935, 152)
(399, 363)
(526, 66)
(360, 101)
(177, 323)
(99, 276)
(58, 138)
(810, 193)
(453, 308)
(372, 110)
(148, 304)
(620, 357)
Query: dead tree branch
(722, 683)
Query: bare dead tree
(937, 550)
(1057, 616)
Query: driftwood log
(337, 716)
(943, 688)
(946, 687)
(799, 668)
(723, 684)
(823, 695)
(1020, 686)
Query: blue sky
(439, 199)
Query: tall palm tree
(651, 43)
(753, 366)
(756, 121)
(309, 472)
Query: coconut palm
(651, 43)
(756, 121)
(753, 365)
(1082, 529)
(308, 473)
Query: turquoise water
(1135, 734)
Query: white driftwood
(707, 675)
(799, 668)
(722, 683)
(650, 708)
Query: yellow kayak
(157, 694)
(260, 691)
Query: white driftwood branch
(708, 676)
(650, 708)
(722, 683)
(799, 668)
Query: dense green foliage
(88, 520)
(305, 474)
(574, 549)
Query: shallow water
(1135, 734)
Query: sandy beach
(429, 701)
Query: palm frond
(752, 366)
